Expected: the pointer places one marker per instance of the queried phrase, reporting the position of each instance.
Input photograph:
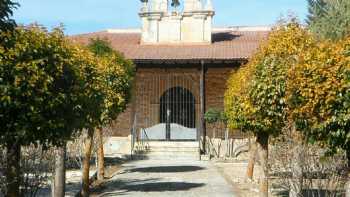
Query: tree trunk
(100, 155)
(86, 163)
(60, 172)
(263, 150)
(347, 187)
(13, 177)
(298, 151)
(251, 163)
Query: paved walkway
(167, 179)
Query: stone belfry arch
(160, 26)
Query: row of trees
(299, 82)
(52, 89)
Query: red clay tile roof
(229, 45)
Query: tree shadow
(72, 188)
(121, 187)
(166, 169)
(224, 36)
(115, 160)
(162, 186)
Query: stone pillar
(193, 5)
(160, 6)
(144, 7)
(153, 27)
(208, 21)
(207, 29)
(202, 106)
(150, 16)
(209, 6)
(144, 25)
(164, 6)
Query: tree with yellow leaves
(42, 90)
(51, 89)
(255, 99)
(318, 93)
(115, 75)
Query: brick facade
(151, 83)
(215, 87)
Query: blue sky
(82, 16)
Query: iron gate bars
(167, 104)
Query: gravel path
(167, 178)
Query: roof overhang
(190, 62)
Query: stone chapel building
(182, 65)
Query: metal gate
(167, 106)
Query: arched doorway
(177, 107)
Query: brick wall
(215, 87)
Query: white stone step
(154, 155)
(170, 150)
(173, 144)
(172, 156)
(173, 149)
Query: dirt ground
(235, 172)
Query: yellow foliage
(314, 82)
(255, 93)
(294, 79)
(236, 96)
(59, 87)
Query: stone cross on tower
(160, 26)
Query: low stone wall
(118, 147)
(229, 148)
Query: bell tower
(161, 26)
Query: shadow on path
(166, 169)
(122, 187)
(162, 186)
